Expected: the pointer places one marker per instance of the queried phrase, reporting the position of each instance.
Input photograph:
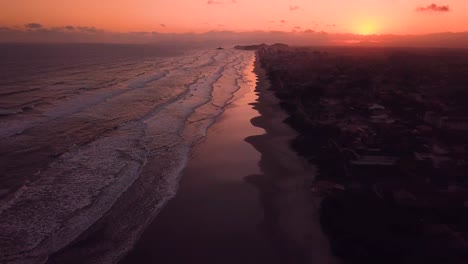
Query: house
(437, 160)
(454, 123)
(432, 118)
(374, 160)
(445, 122)
(375, 107)
(382, 119)
(326, 187)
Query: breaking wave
(103, 150)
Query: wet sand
(216, 215)
(243, 197)
(291, 211)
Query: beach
(291, 210)
(216, 216)
(99, 149)
(243, 197)
(172, 159)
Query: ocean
(94, 138)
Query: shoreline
(215, 216)
(252, 203)
(267, 215)
(291, 209)
(110, 238)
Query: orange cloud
(293, 8)
(213, 2)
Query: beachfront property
(382, 140)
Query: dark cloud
(141, 33)
(162, 25)
(277, 32)
(90, 30)
(33, 26)
(309, 31)
(293, 8)
(283, 21)
(434, 8)
(297, 27)
(53, 29)
(5, 29)
(63, 29)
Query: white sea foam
(79, 92)
(128, 172)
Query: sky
(182, 16)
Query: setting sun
(366, 28)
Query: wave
(118, 153)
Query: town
(388, 131)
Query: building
(454, 123)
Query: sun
(366, 28)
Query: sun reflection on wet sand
(216, 213)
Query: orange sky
(341, 16)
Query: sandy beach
(216, 216)
(243, 194)
(291, 211)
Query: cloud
(213, 2)
(293, 8)
(33, 26)
(140, 33)
(297, 27)
(434, 8)
(5, 29)
(71, 28)
(331, 25)
(162, 25)
(217, 38)
(89, 30)
(283, 21)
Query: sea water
(92, 134)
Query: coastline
(110, 238)
(259, 211)
(244, 194)
(215, 216)
(291, 211)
